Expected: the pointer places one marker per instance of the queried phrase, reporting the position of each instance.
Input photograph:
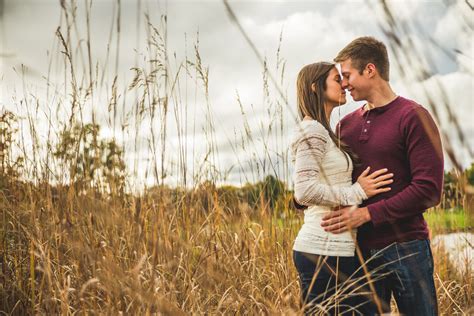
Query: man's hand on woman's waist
(344, 219)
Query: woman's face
(335, 94)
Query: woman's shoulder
(308, 128)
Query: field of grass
(93, 254)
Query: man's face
(357, 84)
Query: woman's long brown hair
(311, 103)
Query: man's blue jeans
(405, 270)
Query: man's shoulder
(412, 114)
(410, 108)
(408, 105)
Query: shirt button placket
(364, 136)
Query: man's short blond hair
(365, 50)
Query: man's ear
(313, 87)
(371, 69)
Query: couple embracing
(364, 189)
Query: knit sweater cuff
(360, 192)
(356, 195)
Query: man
(391, 132)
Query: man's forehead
(345, 66)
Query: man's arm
(425, 156)
(345, 218)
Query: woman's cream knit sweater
(322, 178)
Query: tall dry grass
(65, 253)
(142, 255)
(79, 236)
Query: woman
(323, 168)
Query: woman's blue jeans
(331, 291)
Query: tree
(92, 163)
(9, 167)
(470, 174)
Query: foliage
(446, 221)
(270, 192)
(470, 174)
(453, 191)
(92, 162)
(10, 167)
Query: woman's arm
(309, 186)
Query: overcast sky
(311, 31)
